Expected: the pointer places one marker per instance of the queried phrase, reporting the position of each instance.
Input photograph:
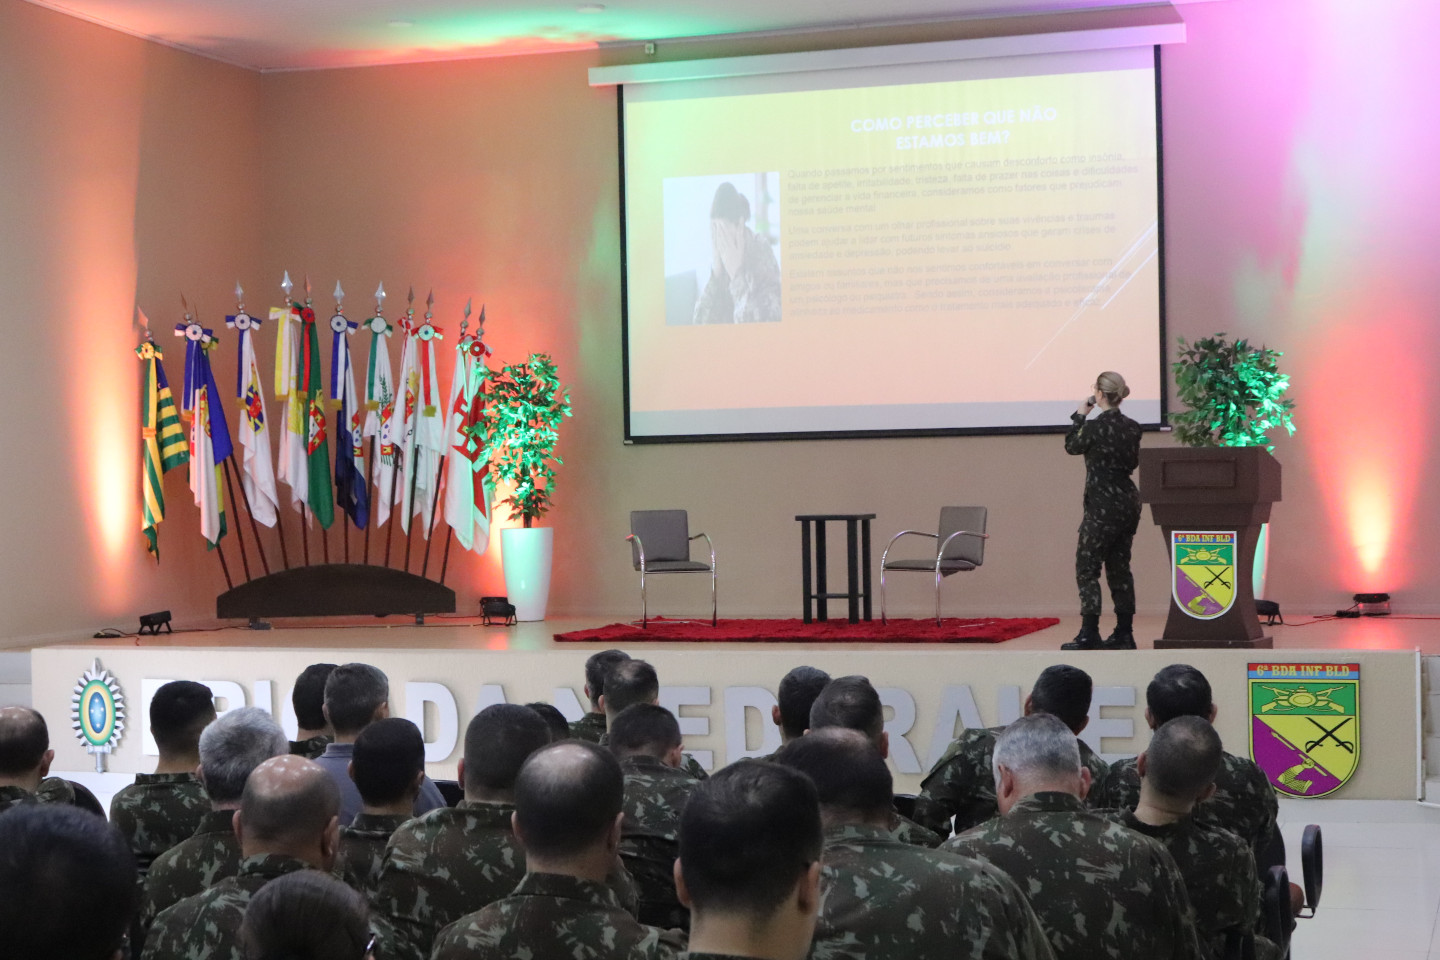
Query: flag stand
(445, 559)
(434, 512)
(224, 567)
(305, 532)
(254, 527)
(239, 530)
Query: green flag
(322, 495)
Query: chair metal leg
(713, 608)
(644, 622)
(937, 595)
(882, 591)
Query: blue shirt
(336, 761)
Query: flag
(351, 487)
(430, 444)
(210, 444)
(294, 458)
(163, 440)
(257, 467)
(380, 417)
(317, 445)
(469, 486)
(409, 385)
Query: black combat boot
(1089, 636)
(1124, 636)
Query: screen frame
(1163, 425)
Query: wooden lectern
(1209, 503)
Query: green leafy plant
(525, 406)
(1235, 393)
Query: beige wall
(712, 683)
(131, 171)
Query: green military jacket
(962, 782)
(191, 866)
(51, 790)
(1100, 890)
(555, 916)
(158, 811)
(655, 795)
(590, 727)
(1243, 803)
(1219, 873)
(311, 748)
(442, 865)
(362, 849)
(207, 925)
(882, 899)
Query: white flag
(430, 442)
(258, 468)
(380, 423)
(294, 467)
(204, 474)
(467, 485)
(407, 419)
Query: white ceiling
(307, 34)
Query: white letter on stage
(672, 699)
(288, 721)
(956, 703)
(447, 717)
(490, 694)
(897, 726)
(227, 690)
(567, 703)
(738, 700)
(1008, 705)
(1121, 727)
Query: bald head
(566, 798)
(24, 743)
(289, 806)
(850, 777)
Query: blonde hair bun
(1112, 385)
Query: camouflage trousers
(1105, 541)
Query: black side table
(858, 579)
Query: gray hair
(233, 746)
(353, 692)
(1038, 746)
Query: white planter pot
(1262, 562)
(526, 555)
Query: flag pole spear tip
(307, 286)
(286, 285)
(411, 295)
(467, 308)
(239, 291)
(339, 292)
(380, 293)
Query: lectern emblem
(97, 713)
(1203, 571)
(1305, 725)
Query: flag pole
(434, 511)
(445, 560)
(239, 530)
(305, 532)
(225, 567)
(374, 440)
(254, 527)
(280, 529)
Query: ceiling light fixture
(590, 8)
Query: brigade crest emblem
(97, 713)
(1305, 725)
(1203, 571)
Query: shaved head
(24, 739)
(288, 801)
(566, 798)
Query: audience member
(287, 822)
(306, 916)
(1099, 889)
(591, 727)
(161, 809)
(1243, 802)
(645, 738)
(634, 681)
(568, 800)
(851, 703)
(455, 860)
(230, 749)
(797, 693)
(356, 695)
(884, 898)
(67, 885)
(308, 699)
(749, 867)
(25, 758)
(554, 719)
(961, 785)
(1176, 771)
(387, 767)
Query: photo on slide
(722, 249)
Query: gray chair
(660, 543)
(959, 546)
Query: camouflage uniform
(191, 866)
(1111, 445)
(687, 763)
(1099, 889)
(905, 830)
(884, 899)
(207, 925)
(312, 748)
(962, 782)
(655, 794)
(1243, 803)
(1219, 874)
(550, 915)
(443, 865)
(751, 297)
(362, 849)
(159, 811)
(590, 727)
(51, 790)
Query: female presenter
(1111, 446)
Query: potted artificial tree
(1236, 396)
(525, 406)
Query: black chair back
(86, 800)
(1312, 866)
(451, 791)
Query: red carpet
(989, 630)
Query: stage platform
(445, 670)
